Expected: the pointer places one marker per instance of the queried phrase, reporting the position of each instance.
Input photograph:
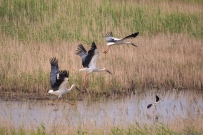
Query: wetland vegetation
(169, 55)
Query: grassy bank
(169, 52)
(137, 129)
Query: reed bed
(169, 52)
(169, 61)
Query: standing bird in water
(59, 81)
(156, 102)
(89, 60)
(117, 41)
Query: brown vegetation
(164, 60)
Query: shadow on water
(185, 105)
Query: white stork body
(154, 104)
(118, 41)
(62, 90)
(59, 80)
(89, 60)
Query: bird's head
(50, 91)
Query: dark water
(105, 112)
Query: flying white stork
(117, 41)
(89, 60)
(156, 102)
(59, 80)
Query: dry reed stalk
(172, 61)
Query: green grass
(157, 129)
(51, 21)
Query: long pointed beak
(133, 45)
(108, 71)
(77, 88)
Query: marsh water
(114, 111)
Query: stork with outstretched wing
(59, 80)
(117, 41)
(89, 60)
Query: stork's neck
(100, 70)
(71, 88)
(126, 42)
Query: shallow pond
(185, 105)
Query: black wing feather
(54, 71)
(86, 56)
(60, 78)
(81, 52)
(132, 35)
(90, 55)
(56, 76)
(149, 105)
(157, 98)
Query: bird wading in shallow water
(156, 102)
(117, 41)
(59, 81)
(89, 60)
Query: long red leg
(107, 50)
(68, 102)
(85, 83)
(56, 106)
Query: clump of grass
(137, 129)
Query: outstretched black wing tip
(80, 49)
(149, 105)
(80, 45)
(157, 98)
(93, 45)
(133, 35)
(54, 71)
(54, 61)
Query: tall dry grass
(164, 60)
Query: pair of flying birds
(59, 79)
